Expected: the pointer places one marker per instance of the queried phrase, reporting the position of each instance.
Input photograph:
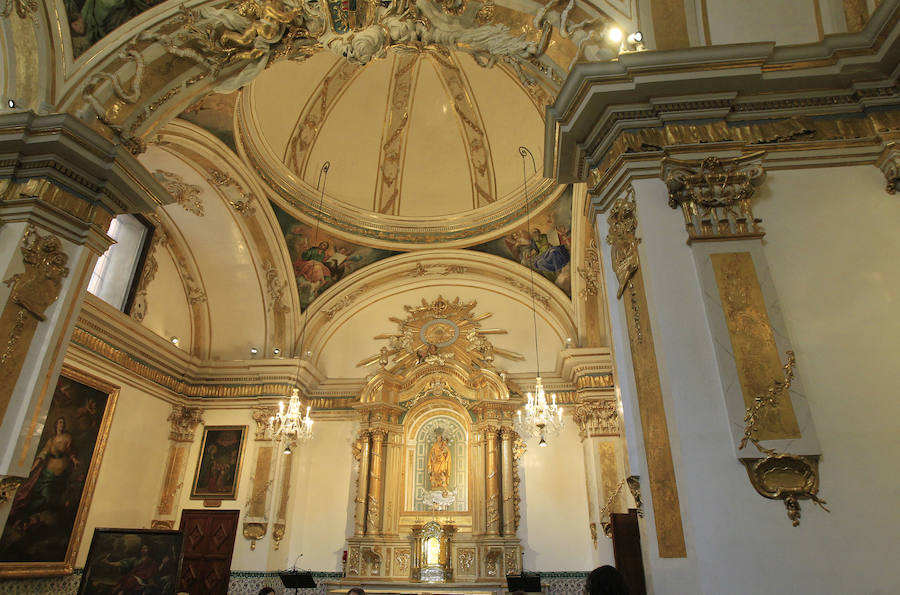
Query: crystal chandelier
(540, 417)
(289, 426)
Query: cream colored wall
(831, 246)
(554, 527)
(320, 510)
(739, 21)
(168, 314)
(133, 464)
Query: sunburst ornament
(436, 333)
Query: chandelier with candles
(290, 426)
(539, 417)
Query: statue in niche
(439, 462)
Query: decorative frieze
(714, 195)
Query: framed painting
(47, 515)
(132, 561)
(219, 466)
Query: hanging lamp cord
(320, 185)
(524, 152)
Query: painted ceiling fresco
(215, 114)
(321, 260)
(544, 246)
(91, 20)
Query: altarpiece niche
(437, 458)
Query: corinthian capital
(182, 422)
(597, 418)
(714, 194)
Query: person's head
(60, 425)
(323, 245)
(145, 549)
(266, 591)
(605, 580)
(356, 591)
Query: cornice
(844, 74)
(63, 150)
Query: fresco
(320, 262)
(545, 246)
(215, 113)
(91, 20)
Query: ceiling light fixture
(254, 351)
(11, 103)
(541, 417)
(174, 340)
(615, 34)
(290, 426)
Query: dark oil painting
(50, 506)
(220, 463)
(126, 561)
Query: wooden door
(627, 550)
(208, 545)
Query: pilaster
(183, 423)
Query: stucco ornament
(237, 41)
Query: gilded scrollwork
(186, 195)
(254, 532)
(597, 418)
(275, 288)
(278, 530)
(8, 486)
(590, 272)
(622, 238)
(465, 558)
(889, 163)
(182, 422)
(24, 8)
(261, 416)
(780, 475)
(714, 194)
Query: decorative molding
(254, 532)
(780, 475)
(275, 288)
(167, 525)
(183, 421)
(714, 195)
(590, 272)
(186, 195)
(889, 164)
(25, 9)
(423, 270)
(597, 418)
(262, 415)
(622, 238)
(8, 486)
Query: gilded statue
(266, 21)
(439, 464)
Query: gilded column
(61, 184)
(183, 422)
(362, 481)
(393, 462)
(492, 468)
(479, 518)
(509, 520)
(376, 471)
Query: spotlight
(276, 351)
(254, 351)
(11, 103)
(174, 340)
(615, 35)
(542, 443)
(636, 37)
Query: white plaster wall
(320, 515)
(554, 525)
(127, 489)
(831, 247)
(784, 22)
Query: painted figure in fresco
(549, 259)
(311, 265)
(519, 246)
(439, 464)
(91, 20)
(46, 486)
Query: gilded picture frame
(59, 478)
(219, 465)
(130, 558)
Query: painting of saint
(320, 261)
(546, 247)
(132, 561)
(48, 511)
(219, 466)
(439, 464)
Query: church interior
(427, 296)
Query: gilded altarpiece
(437, 467)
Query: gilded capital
(182, 422)
(597, 418)
(262, 415)
(622, 237)
(714, 195)
(889, 164)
